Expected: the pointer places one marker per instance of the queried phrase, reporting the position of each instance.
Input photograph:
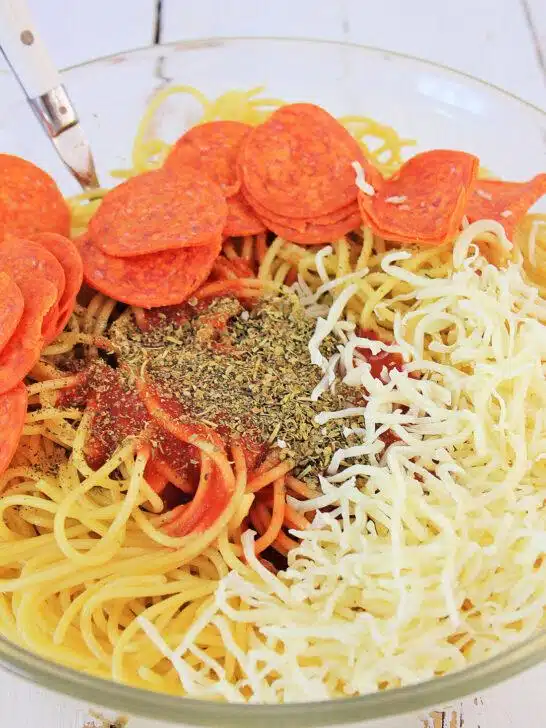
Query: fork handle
(32, 66)
(24, 50)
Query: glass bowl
(434, 105)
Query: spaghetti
(152, 546)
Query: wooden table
(501, 41)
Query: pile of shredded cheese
(432, 555)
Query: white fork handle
(24, 50)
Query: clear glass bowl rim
(397, 701)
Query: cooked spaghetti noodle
(97, 576)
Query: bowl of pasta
(273, 395)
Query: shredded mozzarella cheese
(325, 326)
(432, 557)
(360, 180)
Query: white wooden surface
(501, 41)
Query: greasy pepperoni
(314, 234)
(241, 219)
(424, 202)
(300, 223)
(38, 275)
(13, 409)
(211, 150)
(11, 308)
(69, 258)
(30, 201)
(22, 351)
(27, 262)
(506, 202)
(157, 211)
(298, 163)
(160, 279)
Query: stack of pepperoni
(426, 200)
(156, 238)
(40, 276)
(295, 171)
(212, 150)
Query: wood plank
(478, 38)
(535, 11)
(206, 18)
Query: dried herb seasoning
(248, 372)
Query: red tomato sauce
(383, 359)
(117, 412)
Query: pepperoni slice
(157, 211)
(506, 202)
(316, 234)
(22, 351)
(211, 149)
(30, 201)
(301, 223)
(27, 262)
(424, 202)
(241, 219)
(13, 410)
(41, 280)
(159, 279)
(69, 258)
(11, 308)
(298, 162)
